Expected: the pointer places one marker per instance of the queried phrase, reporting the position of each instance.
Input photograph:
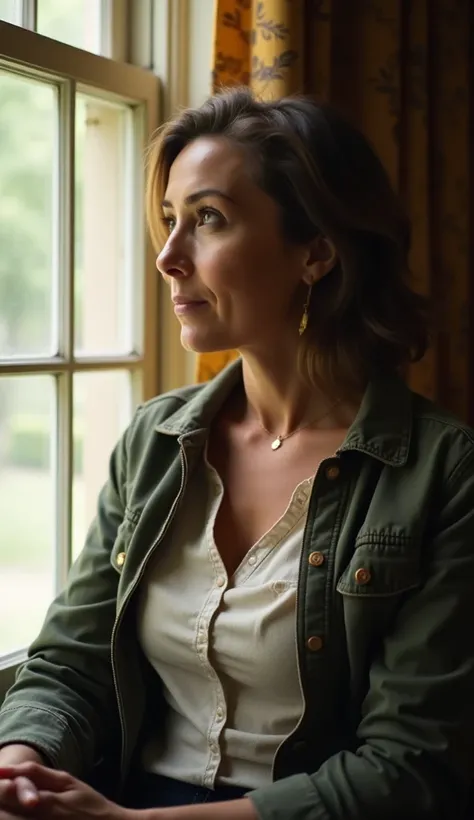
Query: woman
(281, 564)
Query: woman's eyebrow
(192, 198)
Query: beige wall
(199, 82)
(201, 28)
(182, 57)
(201, 18)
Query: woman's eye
(207, 216)
(169, 222)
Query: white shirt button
(214, 748)
(252, 560)
(219, 713)
(220, 581)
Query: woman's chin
(199, 341)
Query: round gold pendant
(276, 444)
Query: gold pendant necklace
(278, 441)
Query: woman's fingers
(38, 776)
(18, 791)
(7, 791)
(26, 791)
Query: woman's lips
(182, 306)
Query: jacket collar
(383, 425)
(381, 429)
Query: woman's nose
(173, 262)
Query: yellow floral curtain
(259, 44)
(403, 72)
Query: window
(78, 286)
(10, 11)
(76, 22)
(80, 23)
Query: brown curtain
(403, 70)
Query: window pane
(27, 412)
(10, 11)
(76, 22)
(104, 304)
(102, 410)
(27, 178)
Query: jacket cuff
(292, 798)
(43, 730)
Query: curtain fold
(404, 71)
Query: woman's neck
(281, 400)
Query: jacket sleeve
(63, 701)
(416, 758)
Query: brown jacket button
(363, 576)
(315, 643)
(332, 472)
(316, 559)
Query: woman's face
(235, 281)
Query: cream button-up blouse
(225, 648)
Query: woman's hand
(60, 796)
(19, 793)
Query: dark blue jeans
(153, 791)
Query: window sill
(8, 668)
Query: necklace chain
(278, 441)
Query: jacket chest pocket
(383, 572)
(382, 566)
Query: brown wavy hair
(364, 318)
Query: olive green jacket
(385, 615)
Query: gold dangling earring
(305, 316)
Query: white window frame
(75, 70)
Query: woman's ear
(320, 259)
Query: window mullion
(141, 33)
(65, 311)
(65, 217)
(29, 14)
(115, 29)
(170, 51)
(64, 477)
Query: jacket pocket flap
(379, 572)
